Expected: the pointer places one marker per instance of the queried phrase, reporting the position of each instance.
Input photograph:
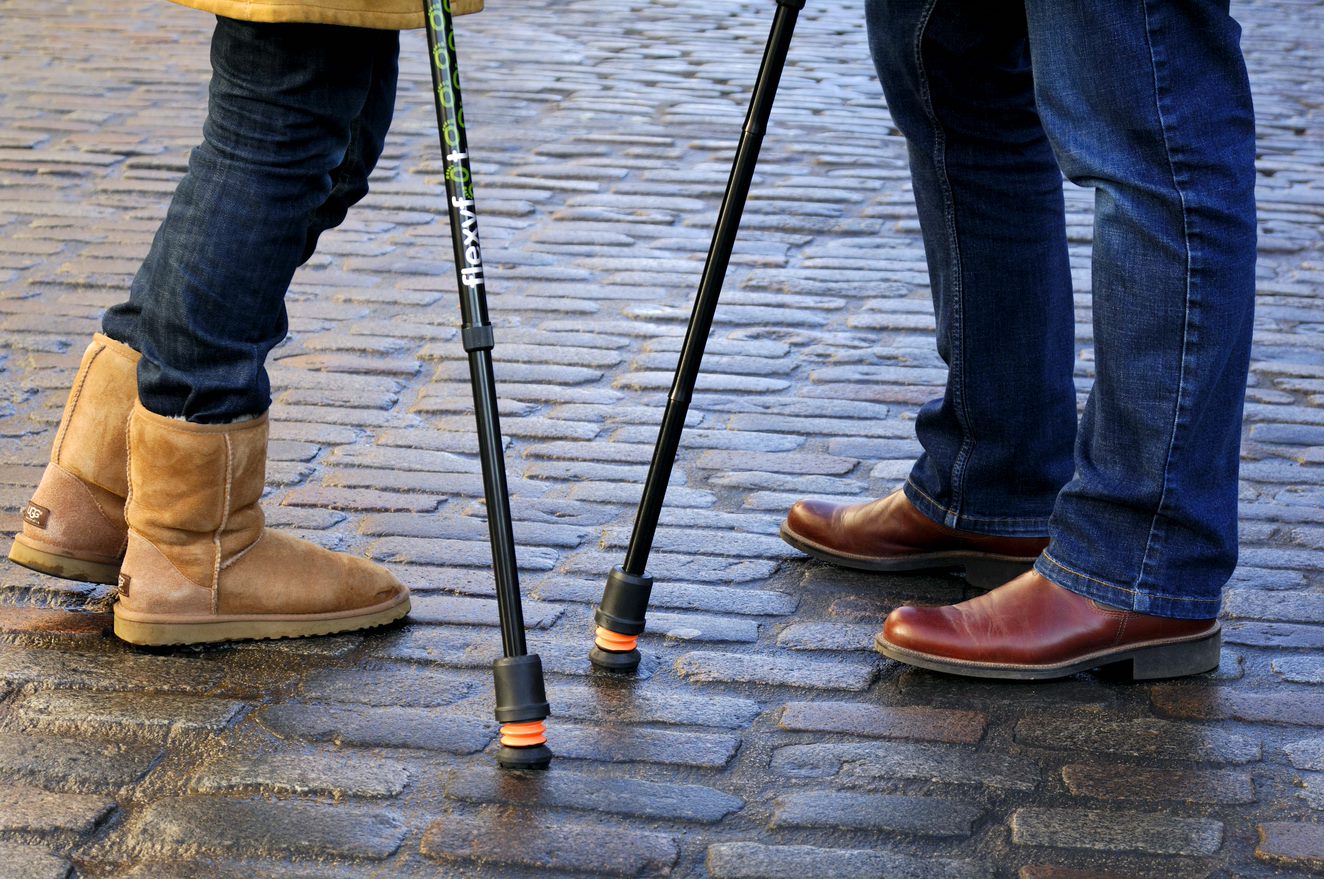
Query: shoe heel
(1177, 660)
(991, 573)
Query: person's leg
(295, 122)
(997, 445)
(1149, 103)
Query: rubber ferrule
(624, 602)
(520, 695)
(537, 757)
(794, 4)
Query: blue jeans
(1147, 102)
(296, 120)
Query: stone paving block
(1116, 831)
(1292, 607)
(1299, 669)
(872, 761)
(1089, 731)
(624, 704)
(548, 843)
(392, 685)
(750, 860)
(877, 721)
(1287, 636)
(387, 727)
(1139, 783)
(224, 868)
(464, 553)
(566, 789)
(611, 743)
(711, 667)
(66, 624)
(359, 500)
(1157, 871)
(723, 543)
(336, 775)
(477, 612)
(680, 596)
(702, 627)
(185, 827)
(1196, 702)
(118, 714)
(77, 765)
(828, 636)
(65, 669)
(922, 816)
(1307, 753)
(31, 862)
(1291, 844)
(32, 811)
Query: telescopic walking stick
(521, 700)
(620, 616)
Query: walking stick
(620, 616)
(521, 700)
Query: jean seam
(957, 367)
(1020, 520)
(1086, 577)
(1154, 540)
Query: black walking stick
(521, 701)
(620, 616)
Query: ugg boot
(74, 525)
(200, 564)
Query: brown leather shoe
(891, 535)
(1032, 628)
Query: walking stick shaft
(475, 330)
(710, 287)
(521, 698)
(620, 616)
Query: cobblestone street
(763, 739)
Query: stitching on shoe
(93, 498)
(225, 518)
(76, 394)
(1121, 629)
(245, 551)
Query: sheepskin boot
(74, 525)
(201, 565)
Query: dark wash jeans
(296, 120)
(1147, 102)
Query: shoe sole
(161, 632)
(980, 569)
(62, 566)
(1154, 660)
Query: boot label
(35, 515)
(124, 585)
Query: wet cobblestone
(764, 739)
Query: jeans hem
(993, 526)
(1144, 601)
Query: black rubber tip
(537, 757)
(614, 660)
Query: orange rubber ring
(524, 735)
(616, 642)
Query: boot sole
(1173, 658)
(980, 569)
(62, 566)
(160, 631)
